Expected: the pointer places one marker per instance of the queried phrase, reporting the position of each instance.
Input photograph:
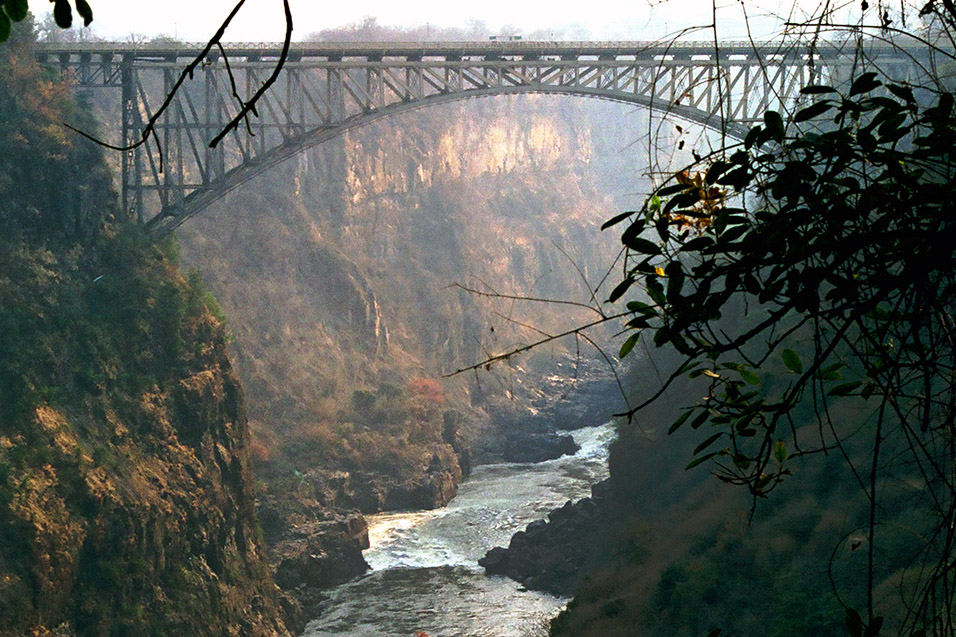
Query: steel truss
(326, 89)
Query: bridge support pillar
(132, 127)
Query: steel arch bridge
(326, 89)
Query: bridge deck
(333, 51)
(328, 88)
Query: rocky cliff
(552, 555)
(126, 498)
(126, 501)
(358, 274)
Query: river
(425, 574)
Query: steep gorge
(343, 271)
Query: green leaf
(792, 361)
(903, 92)
(642, 246)
(656, 291)
(749, 376)
(4, 27)
(16, 9)
(697, 461)
(753, 137)
(780, 451)
(640, 307)
(873, 630)
(63, 14)
(831, 372)
(864, 84)
(708, 442)
(680, 421)
(844, 389)
(738, 178)
(774, 124)
(697, 244)
(715, 171)
(854, 624)
(817, 89)
(700, 419)
(621, 288)
(633, 230)
(835, 367)
(675, 280)
(616, 219)
(813, 111)
(629, 344)
(672, 189)
(83, 8)
(683, 200)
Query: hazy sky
(261, 20)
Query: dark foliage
(809, 275)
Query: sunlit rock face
(126, 497)
(340, 274)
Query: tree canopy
(808, 276)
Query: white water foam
(428, 560)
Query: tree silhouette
(808, 277)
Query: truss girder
(322, 94)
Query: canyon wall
(358, 274)
(126, 497)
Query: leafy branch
(814, 265)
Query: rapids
(425, 575)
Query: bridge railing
(332, 50)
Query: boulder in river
(550, 555)
(538, 447)
(321, 554)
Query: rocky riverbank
(581, 392)
(551, 555)
(316, 532)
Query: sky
(262, 20)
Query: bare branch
(249, 107)
(488, 362)
(246, 107)
(513, 297)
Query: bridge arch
(327, 89)
(196, 201)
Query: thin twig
(488, 362)
(514, 297)
(246, 108)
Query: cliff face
(338, 273)
(126, 501)
(126, 504)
